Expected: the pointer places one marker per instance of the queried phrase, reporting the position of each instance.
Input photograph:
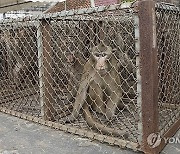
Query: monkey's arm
(112, 104)
(79, 101)
(87, 77)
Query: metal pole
(149, 73)
(45, 70)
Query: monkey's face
(101, 60)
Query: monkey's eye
(97, 54)
(104, 54)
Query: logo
(154, 140)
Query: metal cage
(42, 64)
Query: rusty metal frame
(148, 71)
(45, 70)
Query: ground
(18, 136)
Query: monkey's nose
(102, 67)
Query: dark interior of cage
(71, 43)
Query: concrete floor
(18, 136)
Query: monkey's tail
(100, 127)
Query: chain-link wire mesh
(168, 43)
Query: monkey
(99, 88)
(23, 66)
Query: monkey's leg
(79, 101)
(112, 104)
(96, 95)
